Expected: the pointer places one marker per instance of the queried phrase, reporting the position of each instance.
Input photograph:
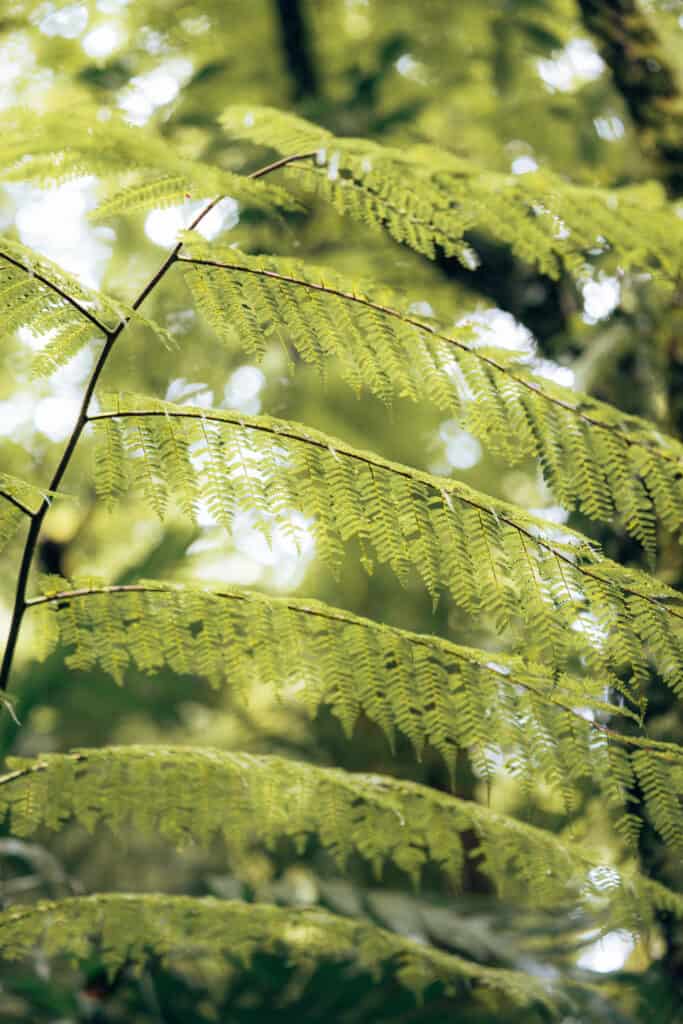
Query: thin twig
(17, 504)
(82, 419)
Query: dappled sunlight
(578, 63)
(608, 954)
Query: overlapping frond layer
(18, 501)
(190, 795)
(526, 574)
(66, 144)
(594, 457)
(428, 199)
(424, 687)
(131, 928)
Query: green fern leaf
(131, 928)
(428, 199)
(594, 457)
(248, 799)
(551, 583)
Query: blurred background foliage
(511, 86)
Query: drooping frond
(190, 795)
(427, 688)
(526, 574)
(594, 457)
(127, 928)
(428, 199)
(18, 501)
(111, 148)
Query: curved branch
(17, 504)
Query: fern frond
(111, 148)
(127, 928)
(549, 583)
(424, 687)
(190, 795)
(156, 193)
(594, 457)
(428, 199)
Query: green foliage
(427, 198)
(132, 927)
(109, 147)
(247, 799)
(426, 688)
(18, 500)
(593, 456)
(580, 635)
(493, 559)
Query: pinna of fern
(428, 198)
(594, 457)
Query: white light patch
(54, 223)
(17, 64)
(408, 67)
(563, 375)
(609, 128)
(162, 226)
(280, 561)
(15, 413)
(289, 552)
(243, 390)
(552, 513)
(111, 6)
(184, 392)
(144, 93)
(570, 68)
(67, 22)
(497, 328)
(600, 298)
(102, 41)
(608, 954)
(524, 165)
(421, 308)
(55, 417)
(461, 449)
